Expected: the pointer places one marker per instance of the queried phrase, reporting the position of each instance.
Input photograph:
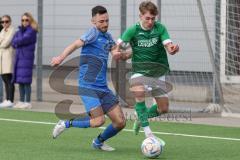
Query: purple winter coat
(24, 42)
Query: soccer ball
(151, 147)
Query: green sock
(141, 110)
(153, 111)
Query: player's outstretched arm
(66, 52)
(125, 50)
(171, 48)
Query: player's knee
(98, 121)
(139, 97)
(120, 124)
(164, 109)
(138, 92)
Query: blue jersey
(94, 58)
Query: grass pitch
(24, 136)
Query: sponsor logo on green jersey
(148, 42)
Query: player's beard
(104, 29)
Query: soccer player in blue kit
(97, 98)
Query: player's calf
(120, 124)
(162, 104)
(97, 121)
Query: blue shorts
(95, 98)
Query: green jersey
(149, 55)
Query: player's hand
(172, 49)
(56, 61)
(116, 53)
(125, 55)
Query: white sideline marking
(190, 135)
(130, 130)
(25, 121)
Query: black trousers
(9, 86)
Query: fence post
(39, 50)
(216, 77)
(121, 65)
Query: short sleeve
(128, 34)
(165, 38)
(90, 36)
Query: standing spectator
(24, 42)
(1, 27)
(6, 59)
(1, 87)
(1, 90)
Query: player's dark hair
(98, 10)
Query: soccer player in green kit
(150, 43)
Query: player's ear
(93, 20)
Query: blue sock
(67, 124)
(78, 123)
(109, 132)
